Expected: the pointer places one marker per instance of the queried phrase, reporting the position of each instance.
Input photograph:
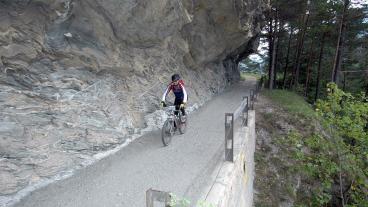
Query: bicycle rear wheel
(167, 132)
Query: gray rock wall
(81, 77)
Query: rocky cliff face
(81, 77)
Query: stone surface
(81, 77)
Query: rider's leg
(183, 117)
(177, 106)
(177, 103)
(183, 111)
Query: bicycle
(175, 121)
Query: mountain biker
(181, 97)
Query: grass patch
(291, 102)
(250, 75)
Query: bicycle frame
(172, 124)
(172, 116)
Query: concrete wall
(233, 186)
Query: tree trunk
(309, 69)
(340, 42)
(270, 49)
(296, 54)
(287, 58)
(273, 63)
(276, 62)
(319, 66)
(366, 79)
(300, 50)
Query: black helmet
(175, 77)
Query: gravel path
(184, 167)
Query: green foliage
(177, 202)
(338, 156)
(292, 102)
(324, 20)
(182, 202)
(348, 114)
(250, 75)
(347, 118)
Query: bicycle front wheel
(167, 132)
(183, 124)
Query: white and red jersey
(178, 90)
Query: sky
(358, 3)
(261, 50)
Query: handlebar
(171, 108)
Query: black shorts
(177, 103)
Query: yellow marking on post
(243, 166)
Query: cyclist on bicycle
(181, 97)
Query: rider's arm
(185, 93)
(167, 91)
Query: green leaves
(177, 202)
(182, 202)
(338, 157)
